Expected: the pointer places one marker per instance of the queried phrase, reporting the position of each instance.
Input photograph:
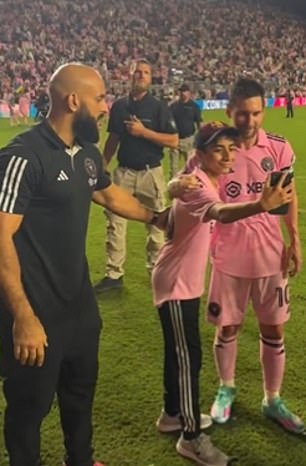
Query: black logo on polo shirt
(214, 309)
(233, 189)
(267, 164)
(91, 170)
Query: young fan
(178, 283)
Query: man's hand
(275, 196)
(29, 339)
(183, 184)
(292, 259)
(135, 127)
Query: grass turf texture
(129, 391)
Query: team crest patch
(90, 168)
(214, 309)
(267, 164)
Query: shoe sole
(206, 422)
(220, 421)
(168, 429)
(188, 454)
(287, 429)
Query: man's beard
(249, 134)
(85, 127)
(140, 88)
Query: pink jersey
(180, 268)
(251, 247)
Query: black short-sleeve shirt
(186, 115)
(137, 153)
(51, 186)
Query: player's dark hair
(246, 88)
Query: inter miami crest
(267, 164)
(91, 170)
(90, 167)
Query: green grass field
(129, 392)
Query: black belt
(148, 166)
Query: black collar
(48, 133)
(147, 94)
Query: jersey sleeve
(167, 123)
(287, 158)
(199, 201)
(20, 175)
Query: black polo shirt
(186, 115)
(53, 191)
(137, 153)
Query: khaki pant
(148, 186)
(185, 146)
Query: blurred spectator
(187, 117)
(289, 104)
(41, 104)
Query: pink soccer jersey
(251, 247)
(180, 269)
(192, 162)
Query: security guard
(289, 104)
(187, 117)
(49, 319)
(141, 126)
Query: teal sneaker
(278, 411)
(222, 406)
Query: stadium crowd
(205, 42)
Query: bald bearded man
(49, 319)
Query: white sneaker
(202, 451)
(167, 424)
